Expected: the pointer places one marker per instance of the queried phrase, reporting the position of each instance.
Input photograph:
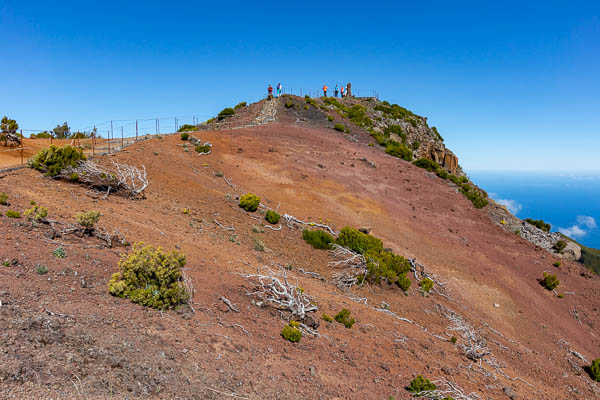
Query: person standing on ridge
(278, 89)
(270, 90)
(349, 90)
(342, 91)
(325, 90)
(335, 91)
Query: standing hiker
(335, 91)
(325, 90)
(278, 89)
(349, 90)
(270, 90)
(342, 91)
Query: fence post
(136, 130)
(21, 149)
(108, 134)
(175, 124)
(122, 143)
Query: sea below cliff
(569, 201)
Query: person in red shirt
(270, 90)
(325, 90)
(342, 91)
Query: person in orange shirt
(325, 90)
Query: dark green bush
(399, 150)
(226, 112)
(203, 149)
(41, 269)
(249, 202)
(560, 246)
(272, 217)
(329, 118)
(420, 384)
(289, 104)
(359, 242)
(13, 214)
(54, 159)
(291, 333)
(185, 136)
(594, 370)
(41, 135)
(550, 281)
(3, 199)
(427, 164)
(437, 134)
(343, 317)
(150, 277)
(240, 105)
(556, 264)
(442, 173)
(317, 239)
(539, 223)
(339, 127)
(358, 115)
(327, 318)
(474, 194)
(186, 128)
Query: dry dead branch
(315, 275)
(355, 267)
(475, 347)
(227, 228)
(447, 388)
(271, 228)
(290, 220)
(274, 288)
(230, 305)
(419, 273)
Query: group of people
(343, 91)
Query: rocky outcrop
(440, 154)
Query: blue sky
(510, 85)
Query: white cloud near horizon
(584, 224)
(511, 205)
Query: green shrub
(306, 107)
(454, 339)
(41, 135)
(150, 277)
(259, 245)
(186, 128)
(339, 127)
(289, 104)
(203, 149)
(36, 213)
(343, 317)
(291, 333)
(474, 194)
(442, 173)
(249, 202)
(437, 134)
(550, 281)
(327, 318)
(399, 150)
(426, 285)
(240, 105)
(13, 214)
(59, 253)
(74, 177)
(87, 219)
(560, 246)
(556, 264)
(420, 384)
(54, 159)
(594, 370)
(358, 115)
(3, 199)
(539, 223)
(185, 136)
(226, 112)
(41, 269)
(358, 241)
(272, 217)
(427, 164)
(317, 239)
(329, 118)
(415, 145)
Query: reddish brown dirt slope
(64, 336)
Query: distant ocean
(570, 202)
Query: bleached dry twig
(290, 220)
(355, 267)
(231, 306)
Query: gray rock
(572, 252)
(510, 393)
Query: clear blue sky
(510, 85)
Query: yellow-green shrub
(150, 277)
(3, 199)
(291, 333)
(249, 202)
(54, 159)
(36, 213)
(343, 317)
(87, 219)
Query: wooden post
(108, 134)
(21, 152)
(136, 130)
(122, 144)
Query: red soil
(104, 346)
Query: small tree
(420, 384)
(62, 131)
(8, 125)
(87, 219)
(549, 281)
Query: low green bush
(259, 245)
(420, 384)
(87, 219)
(41, 269)
(539, 223)
(291, 333)
(329, 118)
(36, 213)
(549, 281)
(289, 104)
(358, 241)
(426, 285)
(339, 127)
(226, 112)
(343, 317)
(74, 177)
(13, 214)
(249, 202)
(317, 239)
(474, 194)
(3, 199)
(399, 150)
(560, 246)
(150, 277)
(594, 370)
(202, 149)
(327, 318)
(54, 159)
(185, 136)
(186, 128)
(240, 105)
(272, 217)
(59, 252)
(427, 164)
(556, 264)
